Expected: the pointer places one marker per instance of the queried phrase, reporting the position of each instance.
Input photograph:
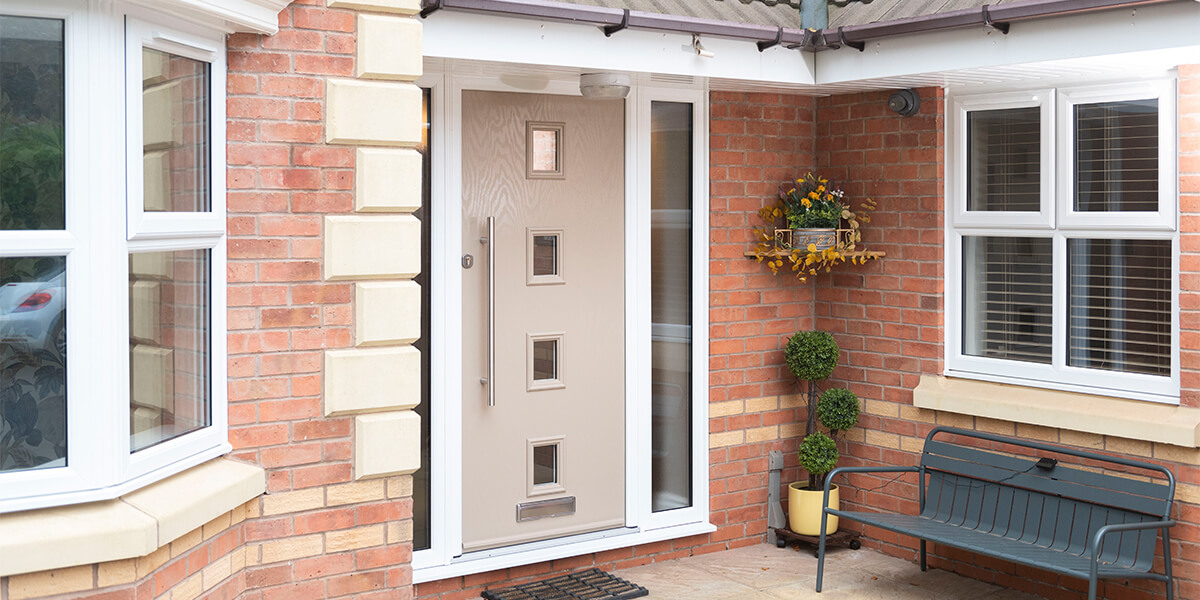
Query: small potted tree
(811, 356)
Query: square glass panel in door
(32, 124)
(545, 464)
(175, 133)
(33, 345)
(545, 255)
(169, 339)
(544, 150)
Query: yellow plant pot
(804, 509)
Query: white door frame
(443, 558)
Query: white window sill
(133, 525)
(1103, 415)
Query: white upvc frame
(444, 558)
(1068, 225)
(99, 463)
(1165, 218)
(957, 176)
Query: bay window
(111, 214)
(1062, 247)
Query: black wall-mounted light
(905, 103)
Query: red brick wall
(321, 534)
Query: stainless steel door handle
(490, 380)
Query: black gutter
(995, 15)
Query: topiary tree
(812, 356)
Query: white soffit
(468, 36)
(1050, 47)
(248, 16)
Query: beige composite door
(543, 336)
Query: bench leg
(923, 565)
(1166, 540)
(821, 552)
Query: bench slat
(990, 475)
(1061, 472)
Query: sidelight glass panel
(169, 331)
(32, 122)
(1007, 298)
(1004, 160)
(175, 133)
(33, 363)
(1119, 304)
(1116, 156)
(670, 304)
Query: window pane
(1116, 156)
(169, 329)
(671, 303)
(1007, 298)
(1120, 305)
(545, 464)
(545, 360)
(32, 120)
(545, 255)
(1004, 159)
(175, 133)
(33, 363)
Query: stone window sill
(133, 525)
(1103, 415)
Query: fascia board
(470, 36)
(248, 16)
(1152, 27)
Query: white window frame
(1059, 222)
(444, 557)
(97, 241)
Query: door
(544, 345)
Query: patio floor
(768, 573)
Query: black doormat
(592, 584)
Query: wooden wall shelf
(856, 253)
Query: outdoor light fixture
(698, 49)
(905, 103)
(604, 85)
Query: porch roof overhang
(613, 20)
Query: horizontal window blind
(1119, 305)
(1004, 158)
(1008, 298)
(1116, 156)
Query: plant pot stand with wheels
(849, 539)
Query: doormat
(592, 584)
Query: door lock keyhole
(468, 261)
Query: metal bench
(1031, 511)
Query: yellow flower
(807, 202)
(813, 195)
(792, 191)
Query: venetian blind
(1008, 298)
(1119, 305)
(1116, 156)
(1004, 157)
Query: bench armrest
(1097, 541)
(840, 470)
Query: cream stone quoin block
(404, 7)
(154, 382)
(389, 48)
(372, 380)
(144, 321)
(373, 113)
(387, 180)
(372, 247)
(387, 444)
(387, 313)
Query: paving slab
(764, 572)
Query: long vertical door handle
(490, 240)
